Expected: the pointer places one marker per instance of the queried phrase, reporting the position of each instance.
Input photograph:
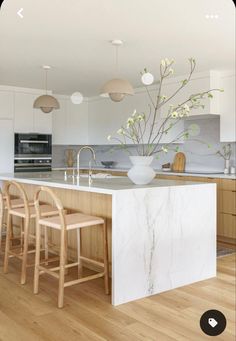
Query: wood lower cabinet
(227, 227)
(226, 205)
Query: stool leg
(37, 258)
(1, 222)
(8, 240)
(46, 244)
(62, 268)
(21, 233)
(78, 252)
(25, 250)
(106, 266)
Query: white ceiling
(72, 36)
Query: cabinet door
(6, 146)
(193, 87)
(76, 123)
(6, 104)
(42, 122)
(24, 113)
(227, 226)
(227, 110)
(227, 202)
(59, 124)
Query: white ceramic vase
(141, 173)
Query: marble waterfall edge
(162, 238)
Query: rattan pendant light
(46, 102)
(117, 88)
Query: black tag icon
(213, 322)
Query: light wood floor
(87, 315)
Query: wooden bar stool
(66, 222)
(15, 203)
(26, 213)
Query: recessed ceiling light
(211, 16)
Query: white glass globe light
(77, 98)
(147, 78)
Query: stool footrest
(92, 261)
(47, 271)
(66, 266)
(84, 279)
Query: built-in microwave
(33, 152)
(33, 144)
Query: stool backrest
(22, 194)
(55, 200)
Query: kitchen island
(161, 236)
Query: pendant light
(46, 102)
(117, 88)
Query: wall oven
(33, 152)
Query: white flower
(120, 131)
(130, 121)
(163, 97)
(109, 137)
(163, 63)
(186, 108)
(174, 114)
(167, 61)
(134, 113)
(140, 117)
(181, 114)
(164, 149)
(171, 71)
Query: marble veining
(162, 239)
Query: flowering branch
(136, 126)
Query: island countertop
(99, 185)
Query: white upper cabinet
(200, 82)
(227, 108)
(6, 146)
(28, 119)
(59, 123)
(42, 122)
(6, 104)
(77, 123)
(70, 123)
(24, 113)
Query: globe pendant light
(46, 102)
(117, 88)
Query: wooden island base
(95, 204)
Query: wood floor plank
(88, 314)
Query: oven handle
(33, 158)
(34, 141)
(32, 165)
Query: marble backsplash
(198, 155)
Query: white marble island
(163, 235)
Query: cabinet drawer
(229, 184)
(170, 177)
(227, 225)
(227, 202)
